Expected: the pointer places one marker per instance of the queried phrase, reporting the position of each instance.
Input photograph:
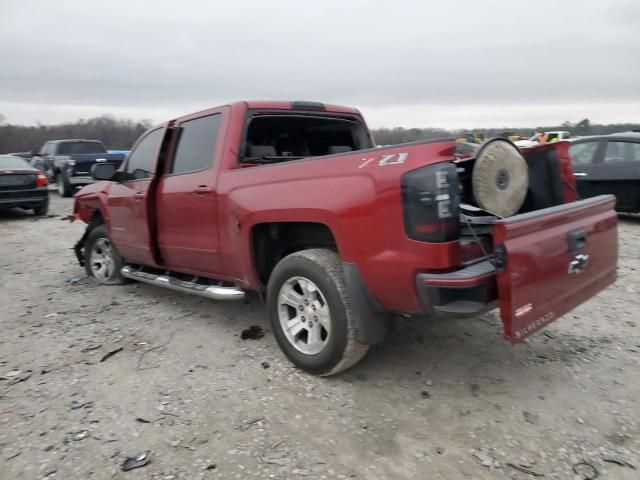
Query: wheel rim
(59, 184)
(304, 315)
(102, 263)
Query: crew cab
(293, 200)
(68, 162)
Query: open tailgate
(552, 260)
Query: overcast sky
(453, 64)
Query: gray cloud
(145, 58)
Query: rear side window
(618, 152)
(80, 148)
(582, 153)
(143, 158)
(196, 144)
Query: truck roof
(298, 105)
(66, 140)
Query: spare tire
(500, 178)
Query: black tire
(323, 268)
(41, 210)
(114, 277)
(65, 189)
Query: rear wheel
(101, 260)
(65, 189)
(41, 210)
(310, 312)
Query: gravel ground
(437, 400)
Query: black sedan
(609, 164)
(22, 185)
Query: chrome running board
(215, 292)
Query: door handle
(577, 240)
(579, 174)
(202, 189)
(139, 195)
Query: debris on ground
(619, 461)
(18, 377)
(265, 365)
(254, 332)
(525, 469)
(76, 437)
(531, 417)
(484, 458)
(246, 425)
(157, 347)
(73, 281)
(91, 347)
(586, 471)
(425, 394)
(211, 466)
(137, 461)
(76, 405)
(110, 354)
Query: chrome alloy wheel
(102, 262)
(304, 315)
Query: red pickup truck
(293, 200)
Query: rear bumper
(81, 180)
(463, 293)
(24, 198)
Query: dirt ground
(437, 400)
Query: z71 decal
(384, 160)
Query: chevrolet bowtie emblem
(578, 263)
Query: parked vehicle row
(293, 200)
(68, 162)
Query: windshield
(11, 162)
(80, 148)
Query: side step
(215, 292)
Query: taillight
(431, 200)
(41, 180)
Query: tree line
(116, 134)
(390, 136)
(120, 134)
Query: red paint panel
(537, 286)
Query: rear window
(80, 148)
(9, 161)
(289, 136)
(620, 152)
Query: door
(129, 202)
(583, 155)
(187, 200)
(552, 260)
(618, 173)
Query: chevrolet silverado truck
(293, 200)
(68, 162)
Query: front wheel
(310, 313)
(101, 260)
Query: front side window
(618, 152)
(143, 158)
(582, 153)
(196, 144)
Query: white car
(555, 136)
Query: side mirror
(103, 171)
